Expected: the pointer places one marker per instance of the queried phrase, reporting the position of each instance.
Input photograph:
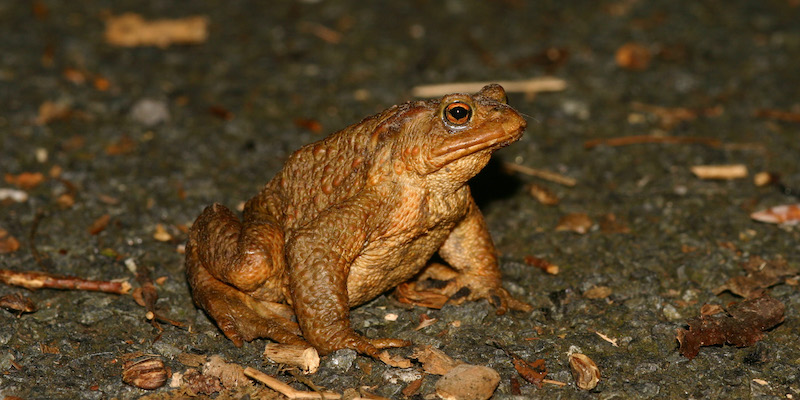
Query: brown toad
(352, 216)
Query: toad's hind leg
(236, 272)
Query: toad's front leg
(320, 256)
(469, 250)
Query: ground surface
(234, 103)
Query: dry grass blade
(533, 85)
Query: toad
(352, 216)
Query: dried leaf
(51, 111)
(434, 361)
(407, 293)
(308, 124)
(99, 224)
(394, 360)
(761, 275)
(8, 243)
(584, 370)
(610, 224)
(533, 372)
(543, 195)
(468, 382)
(633, 56)
(75, 76)
(765, 178)
(575, 222)
(597, 292)
(425, 321)
(741, 326)
(125, 145)
(221, 112)
(787, 214)
(130, 30)
(17, 302)
(412, 388)
(25, 180)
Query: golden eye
(457, 113)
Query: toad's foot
(239, 322)
(352, 340)
(242, 317)
(463, 287)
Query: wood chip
(534, 85)
(161, 234)
(304, 357)
(762, 179)
(18, 196)
(131, 30)
(726, 172)
(229, 374)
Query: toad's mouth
(493, 136)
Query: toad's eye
(457, 113)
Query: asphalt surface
(150, 135)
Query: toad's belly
(388, 263)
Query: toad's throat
(458, 147)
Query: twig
(552, 382)
(146, 296)
(779, 115)
(40, 213)
(40, 280)
(287, 390)
(639, 139)
(540, 173)
(533, 85)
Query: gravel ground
(151, 135)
